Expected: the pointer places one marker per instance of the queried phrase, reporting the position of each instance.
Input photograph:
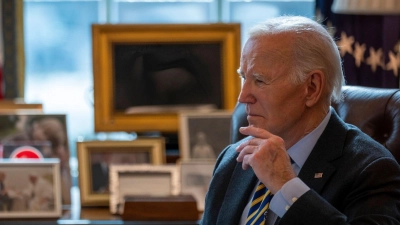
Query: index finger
(255, 132)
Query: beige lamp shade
(366, 7)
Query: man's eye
(259, 81)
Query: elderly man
(301, 164)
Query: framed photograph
(38, 135)
(204, 135)
(195, 177)
(144, 180)
(95, 158)
(35, 194)
(144, 74)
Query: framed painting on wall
(145, 74)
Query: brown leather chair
(376, 111)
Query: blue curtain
(369, 45)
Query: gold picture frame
(145, 180)
(125, 54)
(95, 158)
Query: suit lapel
(237, 195)
(317, 169)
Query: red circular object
(26, 152)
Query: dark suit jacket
(360, 183)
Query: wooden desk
(91, 216)
(75, 214)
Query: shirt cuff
(289, 193)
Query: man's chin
(255, 121)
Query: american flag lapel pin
(318, 175)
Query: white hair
(312, 48)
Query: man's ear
(315, 87)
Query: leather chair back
(376, 111)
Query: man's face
(272, 101)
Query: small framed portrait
(195, 177)
(95, 158)
(38, 135)
(35, 194)
(204, 135)
(144, 74)
(142, 180)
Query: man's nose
(241, 96)
(245, 94)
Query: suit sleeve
(214, 198)
(374, 198)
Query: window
(58, 43)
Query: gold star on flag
(396, 48)
(394, 63)
(375, 58)
(345, 44)
(359, 53)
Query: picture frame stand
(160, 208)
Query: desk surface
(76, 214)
(90, 216)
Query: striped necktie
(259, 205)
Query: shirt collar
(300, 151)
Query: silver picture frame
(195, 177)
(203, 135)
(144, 180)
(37, 191)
